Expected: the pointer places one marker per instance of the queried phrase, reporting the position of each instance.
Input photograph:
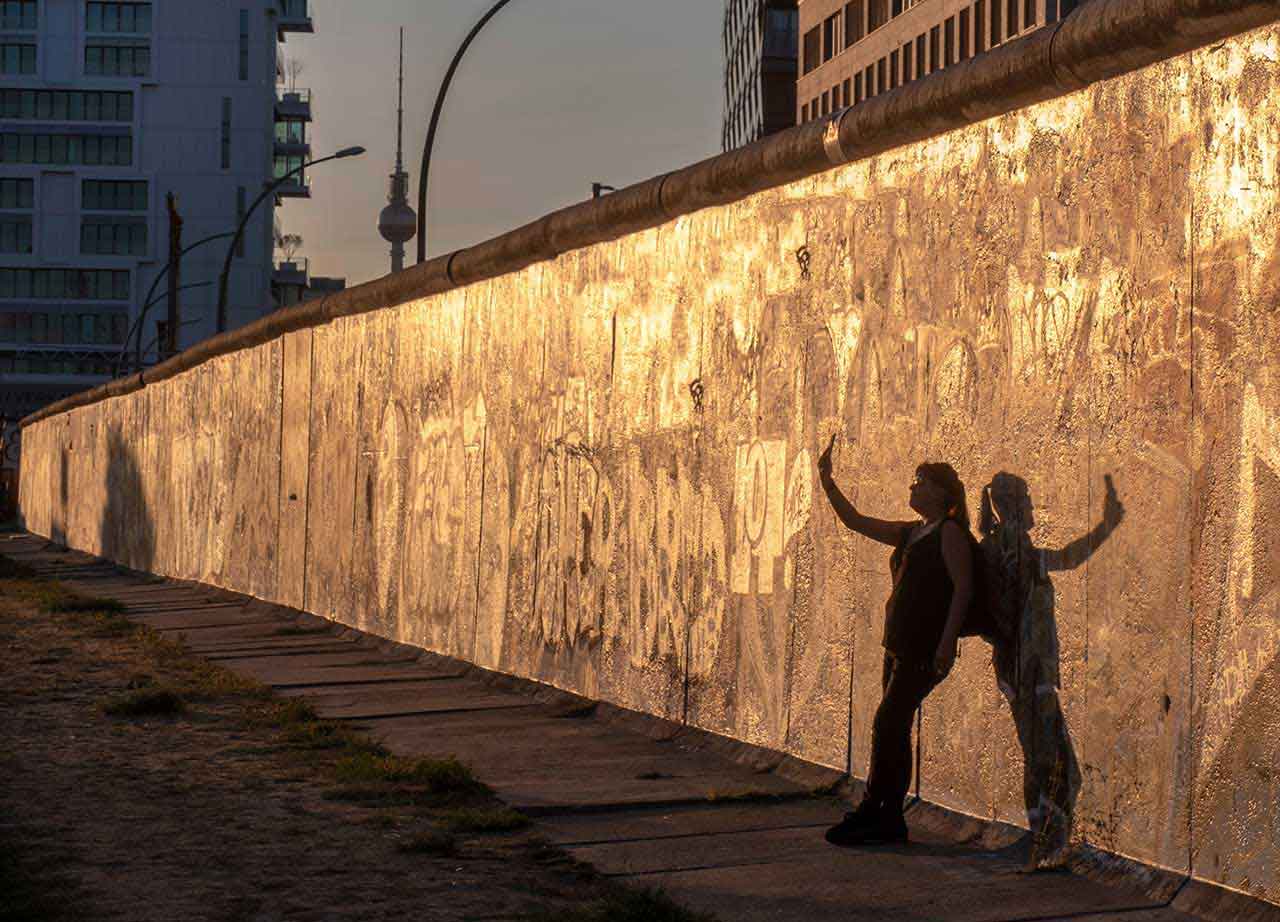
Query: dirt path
(239, 807)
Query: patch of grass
(152, 701)
(433, 842)
(203, 679)
(330, 734)
(295, 631)
(747, 795)
(438, 776)
(624, 905)
(483, 820)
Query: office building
(761, 38)
(107, 109)
(853, 51)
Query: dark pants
(905, 686)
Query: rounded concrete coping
(1100, 40)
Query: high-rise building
(852, 51)
(107, 108)
(761, 40)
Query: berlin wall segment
(598, 472)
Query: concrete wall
(599, 471)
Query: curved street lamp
(270, 188)
(435, 122)
(135, 331)
(137, 328)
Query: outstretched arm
(881, 530)
(1081, 549)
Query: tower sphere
(398, 223)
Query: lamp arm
(271, 187)
(435, 123)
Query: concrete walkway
(640, 803)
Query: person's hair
(1014, 491)
(945, 476)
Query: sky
(552, 96)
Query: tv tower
(398, 223)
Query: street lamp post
(148, 301)
(270, 188)
(435, 122)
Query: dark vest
(916, 613)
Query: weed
(434, 842)
(153, 701)
(294, 631)
(328, 734)
(438, 776)
(748, 795)
(621, 905)
(484, 819)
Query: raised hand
(1112, 509)
(824, 460)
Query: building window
(67, 105)
(781, 33)
(812, 49)
(881, 81)
(73, 284)
(996, 32)
(877, 14)
(854, 22)
(826, 102)
(804, 113)
(1029, 14)
(908, 67)
(979, 26)
(122, 18)
(1011, 25)
(17, 58)
(291, 131)
(893, 70)
(869, 80)
(244, 44)
(847, 93)
(935, 49)
(241, 194)
(920, 55)
(117, 60)
(964, 35)
(110, 236)
(830, 37)
(287, 163)
(15, 233)
(117, 56)
(949, 42)
(226, 132)
(62, 149)
(113, 195)
(19, 14)
(17, 193)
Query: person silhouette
(933, 586)
(1026, 655)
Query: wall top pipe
(1102, 39)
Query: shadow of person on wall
(1026, 655)
(126, 532)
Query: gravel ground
(238, 807)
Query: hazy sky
(553, 95)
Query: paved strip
(651, 811)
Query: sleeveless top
(916, 614)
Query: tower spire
(398, 223)
(400, 111)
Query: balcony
(294, 16)
(291, 139)
(294, 104)
(296, 271)
(295, 187)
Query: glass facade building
(761, 50)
